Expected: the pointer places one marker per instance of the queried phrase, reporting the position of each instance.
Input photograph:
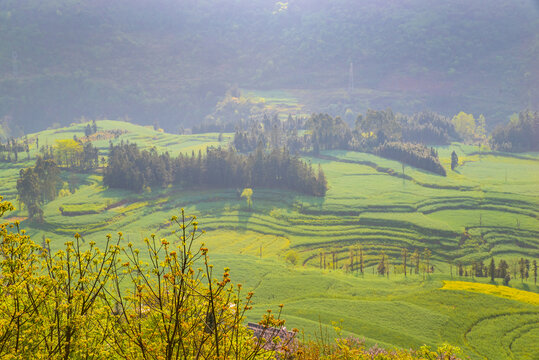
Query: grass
(367, 205)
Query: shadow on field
(302, 205)
(244, 215)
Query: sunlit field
(277, 249)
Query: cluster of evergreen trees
(428, 127)
(328, 133)
(134, 169)
(271, 132)
(416, 155)
(523, 268)
(379, 132)
(37, 185)
(90, 129)
(130, 168)
(519, 135)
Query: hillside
(492, 195)
(169, 62)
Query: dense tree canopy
(129, 167)
(412, 154)
(378, 132)
(520, 134)
(37, 185)
(428, 128)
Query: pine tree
(361, 260)
(426, 257)
(382, 265)
(88, 130)
(454, 160)
(29, 192)
(322, 183)
(522, 268)
(415, 261)
(492, 269)
(404, 258)
(535, 272)
(502, 269)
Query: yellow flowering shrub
(88, 303)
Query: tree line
(429, 128)
(412, 154)
(356, 262)
(523, 268)
(519, 135)
(379, 132)
(130, 168)
(72, 154)
(9, 152)
(417, 261)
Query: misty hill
(169, 62)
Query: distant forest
(520, 134)
(173, 61)
(379, 132)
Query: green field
(369, 204)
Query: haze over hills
(341, 160)
(170, 62)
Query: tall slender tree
(492, 269)
(382, 265)
(415, 261)
(426, 257)
(361, 260)
(454, 160)
(522, 268)
(535, 272)
(404, 258)
(30, 193)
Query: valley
(302, 251)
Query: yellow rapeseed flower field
(496, 290)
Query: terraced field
(373, 204)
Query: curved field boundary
(391, 172)
(479, 207)
(498, 153)
(404, 224)
(507, 351)
(496, 290)
(518, 332)
(487, 203)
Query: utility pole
(351, 77)
(14, 64)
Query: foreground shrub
(87, 303)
